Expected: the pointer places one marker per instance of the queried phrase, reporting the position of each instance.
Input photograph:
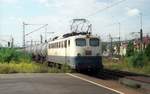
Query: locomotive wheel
(59, 66)
(78, 70)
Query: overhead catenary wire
(101, 10)
(4, 40)
(24, 34)
(112, 5)
(108, 7)
(36, 29)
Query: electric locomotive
(81, 51)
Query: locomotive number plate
(88, 52)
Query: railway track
(138, 81)
(108, 74)
(116, 75)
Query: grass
(23, 67)
(13, 61)
(124, 66)
(9, 54)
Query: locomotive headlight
(78, 54)
(97, 54)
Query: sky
(59, 13)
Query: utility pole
(23, 44)
(8, 44)
(111, 43)
(118, 47)
(111, 47)
(46, 32)
(41, 38)
(31, 42)
(141, 31)
(12, 42)
(26, 34)
(119, 34)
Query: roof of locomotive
(73, 34)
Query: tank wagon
(81, 51)
(38, 52)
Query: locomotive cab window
(94, 42)
(80, 42)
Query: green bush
(147, 51)
(13, 61)
(9, 54)
(130, 49)
(138, 60)
(135, 58)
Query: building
(138, 45)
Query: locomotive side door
(66, 46)
(67, 51)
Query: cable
(4, 40)
(36, 29)
(101, 10)
(108, 25)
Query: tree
(104, 47)
(130, 49)
(147, 51)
